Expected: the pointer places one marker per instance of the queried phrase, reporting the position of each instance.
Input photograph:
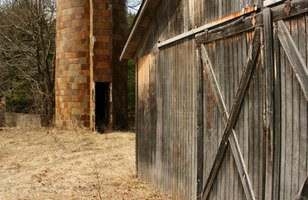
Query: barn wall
(166, 109)
(167, 118)
(207, 11)
(167, 96)
(167, 80)
(294, 115)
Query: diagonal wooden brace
(296, 60)
(229, 134)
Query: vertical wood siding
(228, 57)
(167, 82)
(207, 11)
(166, 108)
(294, 116)
(166, 120)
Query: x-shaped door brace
(229, 134)
(296, 60)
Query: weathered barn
(91, 82)
(222, 90)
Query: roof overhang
(140, 25)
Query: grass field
(60, 164)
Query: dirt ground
(59, 164)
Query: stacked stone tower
(91, 82)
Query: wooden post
(200, 129)
(277, 118)
(268, 60)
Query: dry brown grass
(59, 164)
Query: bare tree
(27, 47)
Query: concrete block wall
(90, 36)
(22, 120)
(103, 34)
(120, 69)
(72, 63)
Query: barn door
(229, 112)
(291, 154)
(254, 106)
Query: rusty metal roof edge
(135, 27)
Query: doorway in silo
(101, 106)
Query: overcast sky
(135, 4)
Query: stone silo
(91, 83)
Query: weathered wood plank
(297, 62)
(200, 128)
(297, 7)
(249, 23)
(159, 76)
(219, 119)
(193, 137)
(246, 104)
(239, 126)
(295, 122)
(254, 51)
(211, 75)
(289, 129)
(283, 120)
(302, 118)
(232, 91)
(181, 147)
(260, 146)
(164, 152)
(239, 159)
(136, 119)
(269, 100)
(277, 118)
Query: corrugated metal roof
(142, 21)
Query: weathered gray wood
(295, 114)
(211, 74)
(277, 117)
(298, 64)
(159, 131)
(289, 130)
(175, 159)
(269, 99)
(244, 26)
(241, 165)
(220, 120)
(232, 91)
(200, 128)
(245, 105)
(298, 7)
(239, 126)
(260, 142)
(284, 111)
(253, 53)
(302, 117)
(136, 119)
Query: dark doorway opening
(101, 106)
